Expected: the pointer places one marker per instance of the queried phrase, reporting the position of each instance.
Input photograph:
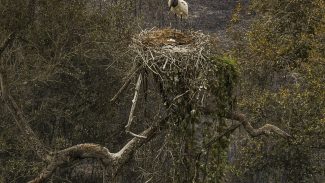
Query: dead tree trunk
(173, 57)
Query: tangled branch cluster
(185, 66)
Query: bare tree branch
(8, 42)
(73, 153)
(264, 130)
(127, 82)
(81, 151)
(136, 135)
(9, 101)
(134, 103)
(2, 84)
(21, 121)
(226, 132)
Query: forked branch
(264, 130)
(82, 151)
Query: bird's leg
(181, 23)
(176, 21)
(176, 27)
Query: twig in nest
(134, 102)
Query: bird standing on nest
(179, 7)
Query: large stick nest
(184, 62)
(164, 50)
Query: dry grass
(157, 38)
(168, 36)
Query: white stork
(179, 7)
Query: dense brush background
(70, 61)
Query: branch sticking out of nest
(134, 103)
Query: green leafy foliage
(282, 82)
